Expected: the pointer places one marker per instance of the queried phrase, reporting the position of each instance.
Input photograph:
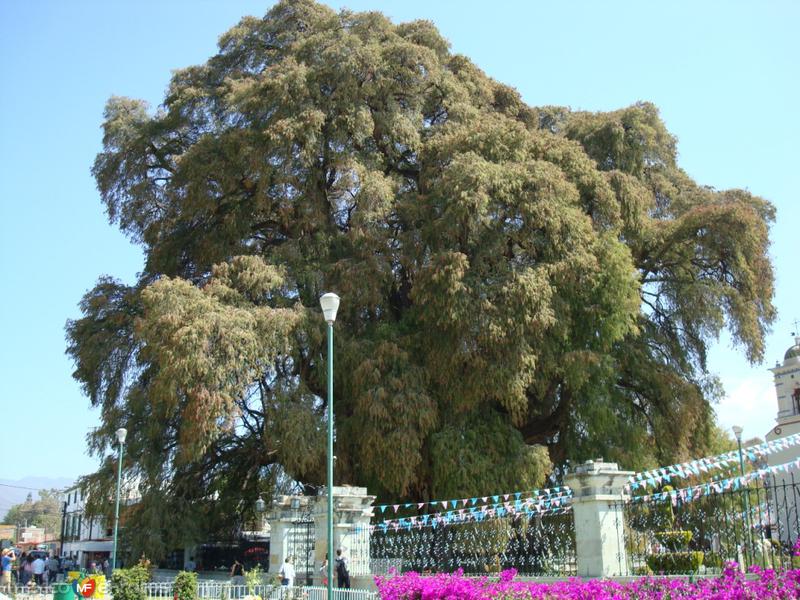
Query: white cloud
(749, 402)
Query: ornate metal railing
(754, 525)
(531, 544)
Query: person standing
(6, 564)
(342, 573)
(52, 569)
(21, 572)
(287, 573)
(237, 577)
(237, 573)
(27, 569)
(324, 570)
(38, 570)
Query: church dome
(794, 351)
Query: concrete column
(598, 494)
(281, 522)
(352, 510)
(188, 553)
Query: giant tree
(518, 284)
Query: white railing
(320, 593)
(28, 592)
(212, 590)
(216, 590)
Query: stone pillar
(597, 509)
(282, 519)
(352, 510)
(188, 553)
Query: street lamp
(122, 433)
(261, 508)
(737, 431)
(330, 304)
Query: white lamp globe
(122, 433)
(737, 431)
(330, 304)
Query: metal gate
(301, 547)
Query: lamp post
(737, 431)
(122, 433)
(330, 304)
(294, 504)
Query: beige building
(8, 532)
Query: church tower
(784, 492)
(787, 388)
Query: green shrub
(674, 541)
(664, 512)
(147, 567)
(253, 578)
(185, 587)
(713, 560)
(674, 563)
(644, 571)
(128, 584)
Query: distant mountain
(14, 491)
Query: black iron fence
(301, 540)
(700, 529)
(532, 544)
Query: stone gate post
(352, 510)
(282, 517)
(598, 496)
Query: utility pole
(63, 526)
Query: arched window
(796, 398)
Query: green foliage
(44, 512)
(674, 563)
(253, 578)
(674, 541)
(477, 445)
(128, 584)
(512, 278)
(664, 514)
(185, 586)
(713, 560)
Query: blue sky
(724, 75)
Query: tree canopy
(44, 512)
(519, 285)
